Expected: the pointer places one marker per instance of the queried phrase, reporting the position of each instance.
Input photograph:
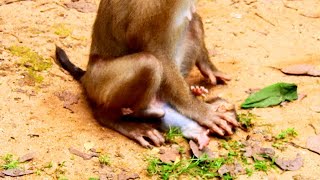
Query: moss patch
(32, 61)
(62, 30)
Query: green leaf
(271, 95)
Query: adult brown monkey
(140, 52)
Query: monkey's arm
(175, 91)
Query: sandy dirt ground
(246, 38)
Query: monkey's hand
(221, 117)
(216, 76)
(220, 123)
(140, 132)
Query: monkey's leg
(127, 82)
(207, 69)
(154, 110)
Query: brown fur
(132, 63)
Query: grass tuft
(246, 120)
(9, 162)
(104, 159)
(173, 133)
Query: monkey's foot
(216, 76)
(140, 132)
(199, 91)
(201, 138)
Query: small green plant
(246, 119)
(290, 132)
(249, 172)
(207, 168)
(173, 133)
(61, 171)
(227, 176)
(152, 168)
(93, 178)
(38, 172)
(203, 167)
(9, 162)
(232, 145)
(232, 154)
(62, 30)
(62, 178)
(234, 150)
(261, 166)
(48, 165)
(283, 137)
(279, 145)
(104, 159)
(182, 150)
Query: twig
(264, 19)
(11, 34)
(12, 1)
(45, 10)
(289, 7)
(297, 146)
(314, 128)
(234, 2)
(250, 2)
(310, 15)
(56, 3)
(302, 147)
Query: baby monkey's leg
(127, 82)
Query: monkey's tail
(66, 64)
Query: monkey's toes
(199, 90)
(218, 75)
(203, 139)
(150, 136)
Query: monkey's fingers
(221, 75)
(215, 129)
(231, 120)
(143, 142)
(160, 137)
(143, 133)
(218, 75)
(199, 90)
(213, 80)
(154, 137)
(203, 139)
(225, 126)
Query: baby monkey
(141, 51)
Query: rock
(290, 165)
